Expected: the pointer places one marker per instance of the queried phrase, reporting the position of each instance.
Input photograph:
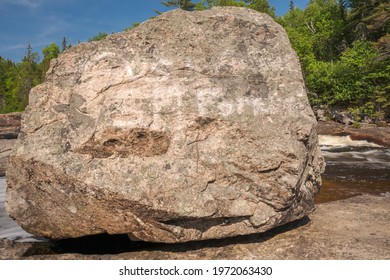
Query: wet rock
(342, 117)
(321, 113)
(191, 126)
(385, 194)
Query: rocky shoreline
(351, 229)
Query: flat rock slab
(355, 228)
(192, 126)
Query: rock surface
(9, 130)
(355, 228)
(191, 126)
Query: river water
(352, 168)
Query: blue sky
(41, 22)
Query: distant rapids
(353, 168)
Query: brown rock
(192, 126)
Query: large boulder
(194, 125)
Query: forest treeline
(343, 46)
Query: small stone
(72, 209)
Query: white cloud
(32, 4)
(13, 47)
(25, 3)
(53, 26)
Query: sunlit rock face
(194, 125)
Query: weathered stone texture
(191, 126)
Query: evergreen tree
(2, 82)
(9, 99)
(187, 5)
(292, 6)
(28, 75)
(64, 44)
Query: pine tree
(64, 44)
(27, 75)
(292, 6)
(187, 5)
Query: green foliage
(9, 100)
(261, 6)
(258, 5)
(369, 19)
(17, 79)
(342, 67)
(187, 5)
(134, 25)
(357, 125)
(98, 37)
(49, 52)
